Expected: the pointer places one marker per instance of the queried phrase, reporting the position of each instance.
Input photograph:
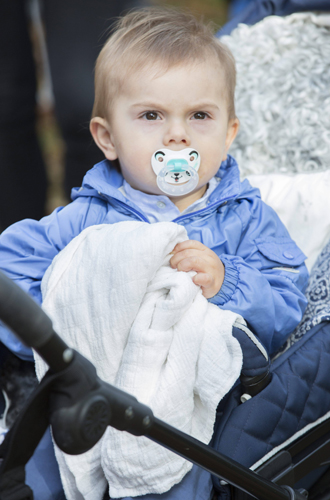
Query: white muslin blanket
(147, 328)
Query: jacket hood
(104, 180)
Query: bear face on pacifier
(176, 170)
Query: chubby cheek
(210, 164)
(132, 159)
(137, 170)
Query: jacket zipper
(180, 218)
(186, 216)
(140, 216)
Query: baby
(164, 117)
(165, 94)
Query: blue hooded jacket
(265, 275)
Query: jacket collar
(104, 180)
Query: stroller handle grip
(31, 324)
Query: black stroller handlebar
(80, 406)
(33, 327)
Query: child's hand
(192, 255)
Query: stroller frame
(80, 417)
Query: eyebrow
(153, 105)
(145, 104)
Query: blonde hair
(157, 35)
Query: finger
(193, 263)
(184, 254)
(189, 244)
(205, 281)
(209, 257)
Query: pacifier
(176, 170)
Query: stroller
(80, 406)
(272, 431)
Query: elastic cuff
(229, 284)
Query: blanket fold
(147, 328)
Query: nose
(176, 133)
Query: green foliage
(209, 10)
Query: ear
(101, 132)
(232, 130)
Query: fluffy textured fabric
(283, 104)
(282, 95)
(112, 294)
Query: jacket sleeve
(265, 276)
(28, 247)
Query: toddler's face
(184, 107)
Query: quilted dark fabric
(298, 394)
(254, 362)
